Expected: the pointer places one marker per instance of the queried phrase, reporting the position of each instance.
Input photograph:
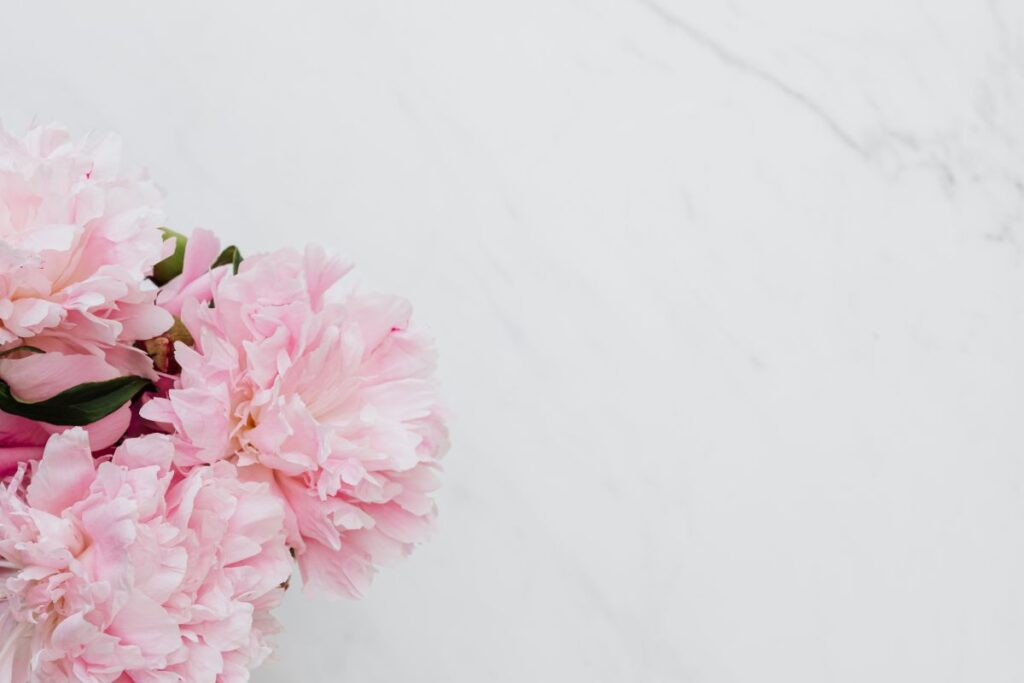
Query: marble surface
(730, 299)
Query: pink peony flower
(330, 400)
(129, 572)
(78, 238)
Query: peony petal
(147, 625)
(42, 375)
(64, 474)
(338, 572)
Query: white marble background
(730, 298)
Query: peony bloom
(330, 400)
(78, 238)
(126, 571)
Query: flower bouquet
(179, 426)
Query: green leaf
(230, 255)
(80, 405)
(23, 347)
(170, 267)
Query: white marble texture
(730, 298)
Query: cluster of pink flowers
(178, 426)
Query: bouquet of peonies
(179, 425)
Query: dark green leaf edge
(230, 255)
(78, 406)
(170, 267)
(24, 347)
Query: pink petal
(42, 375)
(145, 623)
(64, 474)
